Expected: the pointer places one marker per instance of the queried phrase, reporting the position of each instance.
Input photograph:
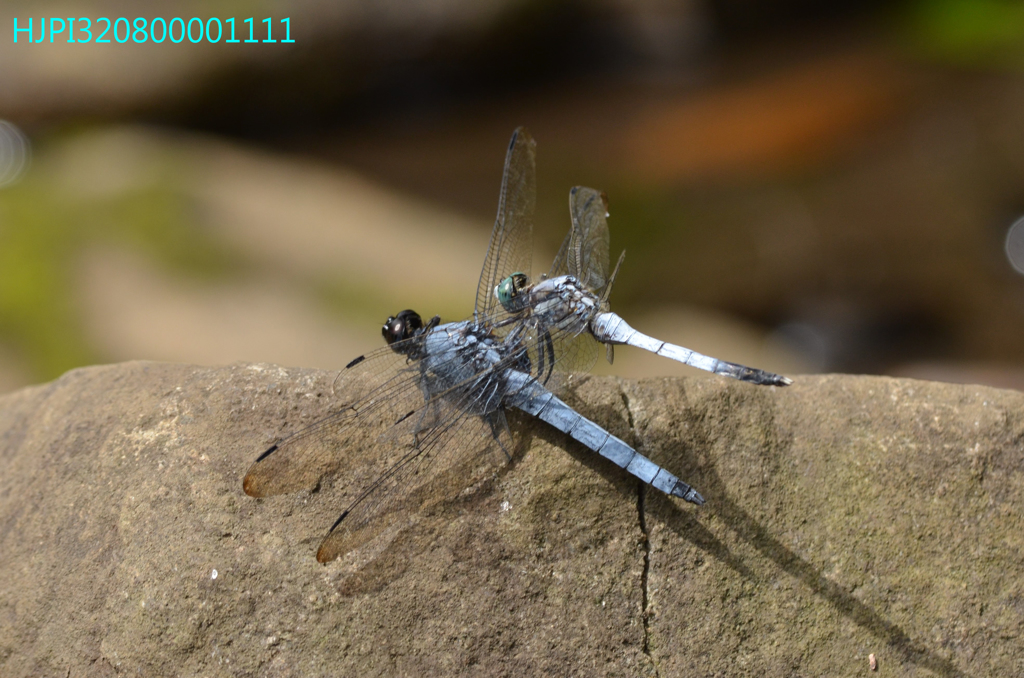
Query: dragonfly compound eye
(402, 326)
(509, 288)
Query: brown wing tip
(250, 486)
(328, 551)
(325, 555)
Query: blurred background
(799, 186)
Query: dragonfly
(571, 301)
(423, 416)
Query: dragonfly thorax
(562, 297)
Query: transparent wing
(448, 456)
(512, 238)
(584, 252)
(403, 437)
(564, 344)
(379, 392)
(556, 348)
(575, 352)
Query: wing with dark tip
(405, 435)
(511, 245)
(459, 436)
(447, 458)
(377, 391)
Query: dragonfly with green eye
(424, 417)
(571, 303)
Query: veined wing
(584, 252)
(512, 238)
(564, 344)
(400, 440)
(538, 343)
(448, 456)
(456, 439)
(556, 346)
(379, 392)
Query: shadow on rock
(687, 525)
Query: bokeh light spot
(1015, 245)
(15, 152)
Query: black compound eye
(390, 330)
(401, 326)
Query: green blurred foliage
(37, 314)
(651, 226)
(42, 231)
(978, 33)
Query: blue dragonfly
(420, 418)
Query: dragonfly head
(401, 326)
(509, 288)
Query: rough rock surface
(846, 516)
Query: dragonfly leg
(502, 433)
(542, 355)
(546, 355)
(549, 345)
(611, 280)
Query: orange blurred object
(781, 121)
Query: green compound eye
(509, 288)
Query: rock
(846, 516)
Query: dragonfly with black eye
(423, 417)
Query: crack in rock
(641, 508)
